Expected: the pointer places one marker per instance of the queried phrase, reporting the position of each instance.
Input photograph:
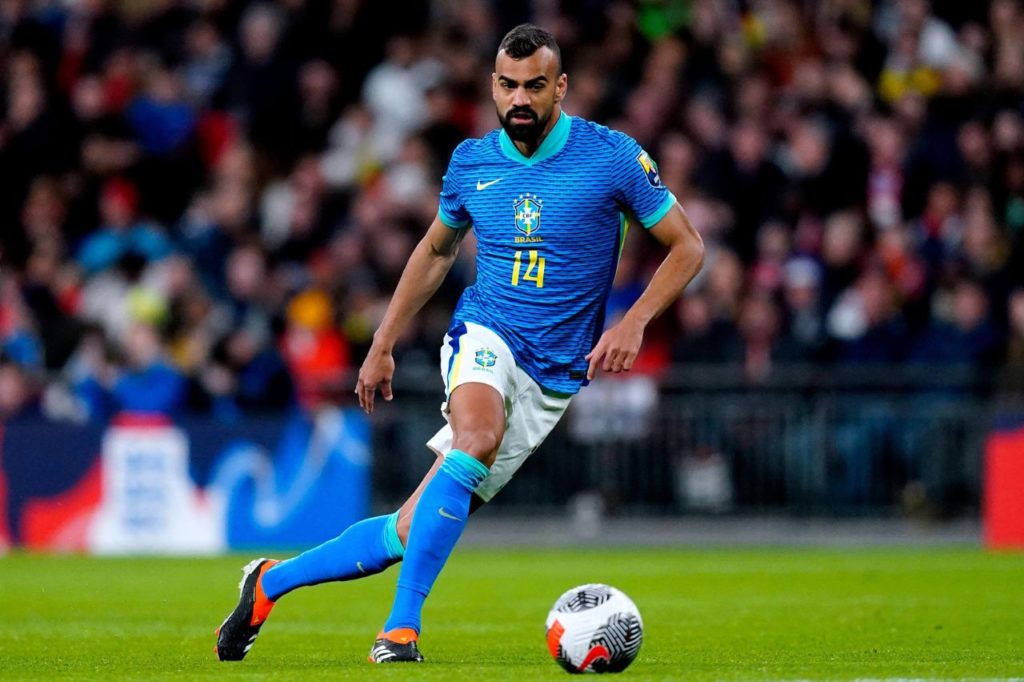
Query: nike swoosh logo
(484, 185)
(359, 565)
(442, 512)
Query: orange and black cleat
(237, 633)
(396, 646)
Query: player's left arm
(619, 345)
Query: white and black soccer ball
(594, 628)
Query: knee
(482, 444)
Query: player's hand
(617, 348)
(376, 372)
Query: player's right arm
(427, 267)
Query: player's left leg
(364, 548)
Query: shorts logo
(486, 358)
(650, 168)
(528, 208)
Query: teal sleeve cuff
(651, 220)
(451, 221)
(465, 469)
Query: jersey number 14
(534, 268)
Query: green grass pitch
(741, 614)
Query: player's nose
(520, 98)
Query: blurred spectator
(246, 278)
(907, 270)
(148, 383)
(49, 290)
(825, 168)
(145, 382)
(701, 338)
(107, 140)
(162, 118)
(17, 393)
(92, 33)
(259, 89)
(802, 295)
(19, 340)
(206, 64)
(395, 93)
(745, 177)
(163, 26)
(122, 233)
(866, 322)
(887, 148)
(314, 349)
(292, 225)
(35, 139)
(196, 322)
(441, 132)
(319, 105)
(763, 343)
(220, 217)
(842, 248)
(245, 376)
(677, 160)
(43, 221)
(773, 247)
(20, 30)
(940, 227)
(724, 283)
(935, 43)
(984, 252)
(968, 338)
(353, 153)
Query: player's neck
(527, 149)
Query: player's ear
(561, 87)
(494, 86)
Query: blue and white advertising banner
(145, 484)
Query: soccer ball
(594, 628)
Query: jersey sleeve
(451, 210)
(639, 184)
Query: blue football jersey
(549, 229)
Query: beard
(521, 130)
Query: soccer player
(549, 197)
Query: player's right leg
(364, 548)
(477, 417)
(497, 417)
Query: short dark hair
(525, 39)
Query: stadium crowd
(205, 204)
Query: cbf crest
(486, 358)
(528, 207)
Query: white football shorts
(480, 356)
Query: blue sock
(440, 517)
(364, 548)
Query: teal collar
(551, 145)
